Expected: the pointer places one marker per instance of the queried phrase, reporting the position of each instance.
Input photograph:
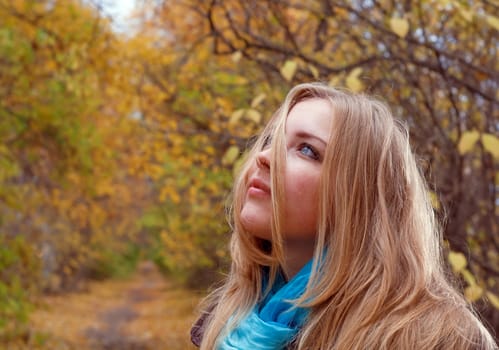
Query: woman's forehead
(312, 116)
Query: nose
(263, 158)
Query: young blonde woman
(335, 245)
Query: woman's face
(308, 127)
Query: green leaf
(467, 141)
(153, 219)
(288, 70)
(399, 26)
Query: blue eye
(309, 151)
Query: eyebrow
(306, 135)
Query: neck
(297, 252)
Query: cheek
(302, 195)
(302, 185)
(302, 209)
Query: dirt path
(142, 313)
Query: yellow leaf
(258, 99)
(236, 116)
(444, 3)
(334, 81)
(236, 56)
(434, 200)
(473, 293)
(353, 82)
(491, 144)
(237, 166)
(254, 115)
(4, 149)
(467, 141)
(66, 270)
(494, 299)
(399, 26)
(467, 14)
(468, 277)
(457, 261)
(104, 188)
(164, 193)
(251, 114)
(288, 70)
(210, 150)
(175, 197)
(225, 104)
(230, 155)
(493, 21)
(314, 71)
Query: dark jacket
(198, 328)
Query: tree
(68, 199)
(434, 61)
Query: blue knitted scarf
(274, 322)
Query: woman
(335, 245)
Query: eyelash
(315, 155)
(266, 141)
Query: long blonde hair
(380, 282)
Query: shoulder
(431, 324)
(450, 325)
(466, 331)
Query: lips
(258, 186)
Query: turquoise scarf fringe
(274, 322)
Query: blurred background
(122, 123)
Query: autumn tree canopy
(69, 202)
(435, 62)
(111, 144)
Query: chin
(258, 232)
(256, 229)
